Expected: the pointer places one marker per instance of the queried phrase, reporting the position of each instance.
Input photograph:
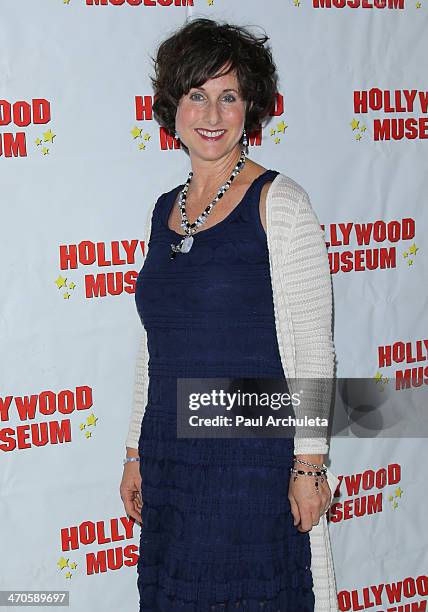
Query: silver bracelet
(128, 459)
(315, 465)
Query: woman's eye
(228, 98)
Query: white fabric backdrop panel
(82, 159)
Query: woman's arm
(141, 378)
(141, 384)
(303, 303)
(309, 294)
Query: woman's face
(210, 119)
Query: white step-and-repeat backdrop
(82, 159)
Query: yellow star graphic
(68, 575)
(418, 5)
(88, 434)
(147, 136)
(82, 426)
(296, 3)
(66, 296)
(71, 285)
(277, 140)
(49, 136)
(405, 254)
(142, 146)
(272, 131)
(136, 132)
(210, 2)
(390, 498)
(61, 282)
(38, 141)
(395, 505)
(410, 262)
(378, 376)
(398, 492)
(73, 565)
(281, 127)
(413, 248)
(66, 1)
(358, 137)
(91, 420)
(45, 150)
(354, 124)
(62, 563)
(363, 128)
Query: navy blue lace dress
(217, 531)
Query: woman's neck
(209, 176)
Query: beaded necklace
(185, 243)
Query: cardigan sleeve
(309, 289)
(141, 375)
(141, 384)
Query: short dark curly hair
(197, 51)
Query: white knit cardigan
(302, 298)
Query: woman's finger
(305, 523)
(295, 511)
(132, 511)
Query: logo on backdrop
(93, 536)
(367, 493)
(144, 112)
(392, 596)
(99, 283)
(399, 354)
(355, 4)
(24, 423)
(375, 245)
(15, 119)
(386, 110)
(136, 2)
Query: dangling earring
(245, 141)
(176, 134)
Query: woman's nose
(213, 113)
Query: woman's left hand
(307, 504)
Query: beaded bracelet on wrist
(318, 475)
(129, 459)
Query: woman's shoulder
(289, 203)
(286, 199)
(285, 188)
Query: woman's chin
(211, 152)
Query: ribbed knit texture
(302, 297)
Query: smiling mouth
(211, 135)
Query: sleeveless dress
(217, 530)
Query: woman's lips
(211, 138)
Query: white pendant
(186, 244)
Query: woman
(236, 260)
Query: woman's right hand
(130, 490)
